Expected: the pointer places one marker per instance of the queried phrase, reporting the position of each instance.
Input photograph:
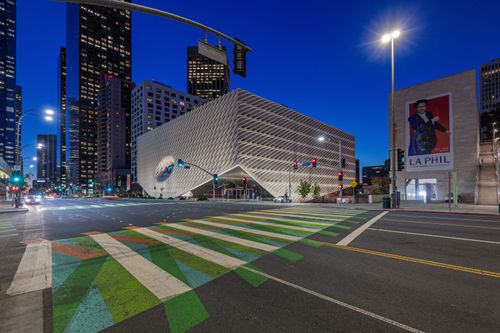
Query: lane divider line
(35, 269)
(435, 236)
(337, 302)
(438, 223)
(163, 285)
(355, 234)
(416, 260)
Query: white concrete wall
(463, 88)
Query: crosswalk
(7, 229)
(127, 272)
(99, 205)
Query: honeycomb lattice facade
(243, 130)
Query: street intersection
(153, 266)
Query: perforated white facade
(243, 131)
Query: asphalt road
(406, 271)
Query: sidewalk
(421, 207)
(6, 207)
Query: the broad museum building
(258, 148)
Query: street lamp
(386, 38)
(49, 116)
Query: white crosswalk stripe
(228, 238)
(35, 270)
(199, 251)
(248, 230)
(301, 216)
(274, 225)
(160, 283)
(320, 224)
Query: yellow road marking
(417, 260)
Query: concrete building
(490, 98)
(8, 117)
(19, 113)
(206, 78)
(154, 104)
(243, 135)
(47, 159)
(98, 42)
(113, 133)
(449, 108)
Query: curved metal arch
(148, 10)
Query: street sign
(212, 52)
(354, 184)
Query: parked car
(282, 199)
(32, 200)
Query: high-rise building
(369, 172)
(154, 104)
(206, 78)
(490, 98)
(113, 134)
(46, 159)
(8, 118)
(98, 43)
(61, 98)
(19, 113)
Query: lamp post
(49, 116)
(386, 38)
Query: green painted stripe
(289, 255)
(8, 235)
(252, 278)
(7, 230)
(161, 257)
(67, 298)
(311, 242)
(124, 295)
(339, 226)
(184, 312)
(328, 233)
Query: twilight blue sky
(319, 57)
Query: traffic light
(295, 165)
(401, 159)
(180, 163)
(16, 178)
(314, 162)
(216, 178)
(341, 175)
(245, 180)
(342, 163)
(240, 60)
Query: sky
(322, 58)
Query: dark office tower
(490, 98)
(61, 98)
(98, 43)
(47, 159)
(19, 113)
(8, 119)
(206, 78)
(113, 133)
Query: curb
(14, 210)
(438, 212)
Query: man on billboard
(424, 126)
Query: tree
(304, 189)
(382, 184)
(316, 190)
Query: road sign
(212, 52)
(354, 184)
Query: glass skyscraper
(98, 43)
(8, 116)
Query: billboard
(429, 134)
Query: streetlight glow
(49, 118)
(32, 166)
(321, 139)
(386, 38)
(395, 34)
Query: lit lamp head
(386, 38)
